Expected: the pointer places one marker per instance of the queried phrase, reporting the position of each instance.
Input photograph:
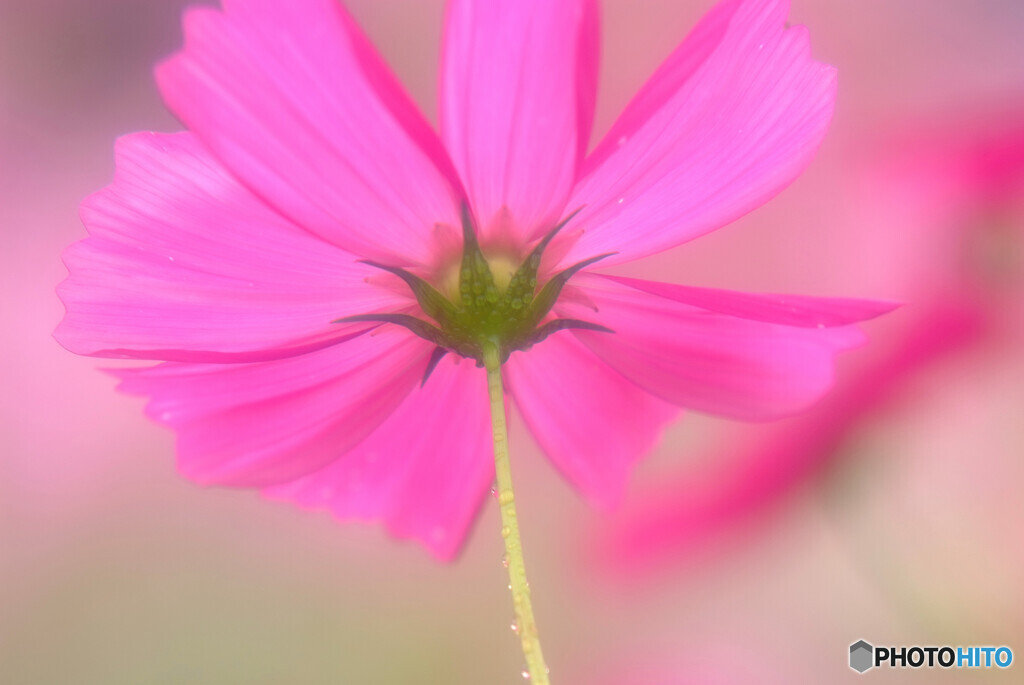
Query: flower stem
(525, 624)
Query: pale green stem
(525, 624)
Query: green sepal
(420, 327)
(524, 281)
(434, 304)
(477, 289)
(548, 295)
(435, 358)
(536, 335)
(564, 324)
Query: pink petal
(185, 264)
(592, 423)
(424, 471)
(708, 361)
(744, 478)
(264, 423)
(789, 310)
(294, 100)
(517, 100)
(729, 120)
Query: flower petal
(788, 310)
(709, 361)
(592, 423)
(258, 424)
(517, 100)
(729, 120)
(294, 100)
(424, 471)
(760, 465)
(185, 264)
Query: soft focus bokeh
(745, 554)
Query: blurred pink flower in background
(227, 251)
(941, 217)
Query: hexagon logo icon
(861, 654)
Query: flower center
(497, 302)
(503, 268)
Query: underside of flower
(483, 311)
(224, 252)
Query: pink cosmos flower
(310, 248)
